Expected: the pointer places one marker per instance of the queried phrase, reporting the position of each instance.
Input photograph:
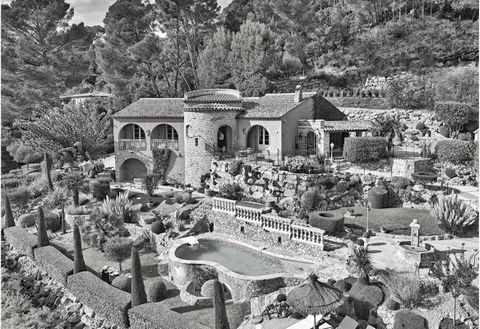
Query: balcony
(164, 144)
(132, 144)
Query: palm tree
(361, 262)
(388, 126)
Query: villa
(208, 123)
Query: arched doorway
(164, 136)
(132, 168)
(132, 137)
(258, 138)
(311, 143)
(224, 138)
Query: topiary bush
(455, 151)
(27, 220)
(444, 131)
(122, 282)
(100, 189)
(158, 227)
(310, 200)
(420, 126)
(378, 197)
(363, 149)
(450, 172)
(281, 298)
(326, 221)
(156, 291)
(207, 288)
(118, 249)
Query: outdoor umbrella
(314, 297)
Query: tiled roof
(153, 108)
(352, 125)
(270, 106)
(95, 94)
(212, 106)
(213, 96)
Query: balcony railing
(307, 234)
(224, 205)
(132, 144)
(164, 144)
(276, 224)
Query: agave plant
(120, 206)
(453, 215)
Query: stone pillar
(415, 237)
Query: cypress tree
(78, 262)
(139, 295)
(220, 311)
(62, 217)
(42, 235)
(47, 168)
(9, 220)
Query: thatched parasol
(314, 297)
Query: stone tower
(210, 128)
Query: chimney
(298, 94)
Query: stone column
(415, 237)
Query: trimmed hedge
(52, 261)
(27, 220)
(378, 197)
(156, 291)
(21, 240)
(156, 315)
(104, 299)
(363, 149)
(410, 320)
(123, 283)
(100, 189)
(454, 150)
(326, 221)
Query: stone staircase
(341, 164)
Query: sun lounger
(348, 323)
(306, 323)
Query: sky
(92, 12)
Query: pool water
(235, 257)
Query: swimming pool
(233, 256)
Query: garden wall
(407, 167)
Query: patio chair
(348, 323)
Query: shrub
(78, 211)
(455, 151)
(158, 227)
(392, 305)
(182, 197)
(414, 138)
(410, 93)
(37, 188)
(53, 222)
(325, 221)
(310, 200)
(100, 226)
(100, 189)
(454, 115)
(404, 288)
(281, 298)
(120, 206)
(150, 183)
(400, 182)
(117, 250)
(465, 137)
(156, 291)
(450, 172)
(378, 197)
(235, 168)
(56, 198)
(26, 220)
(231, 191)
(19, 197)
(444, 131)
(420, 126)
(408, 319)
(301, 164)
(123, 283)
(453, 215)
(10, 183)
(362, 149)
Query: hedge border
(21, 240)
(108, 301)
(52, 261)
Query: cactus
(42, 235)
(79, 263)
(9, 220)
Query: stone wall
(407, 167)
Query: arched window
(258, 138)
(165, 131)
(132, 131)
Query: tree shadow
(377, 244)
(374, 251)
(189, 308)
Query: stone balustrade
(307, 234)
(276, 224)
(224, 205)
(249, 214)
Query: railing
(164, 143)
(249, 214)
(224, 205)
(276, 224)
(307, 234)
(132, 144)
(257, 215)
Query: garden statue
(415, 238)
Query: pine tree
(221, 320)
(42, 235)
(9, 220)
(64, 222)
(78, 262)
(139, 295)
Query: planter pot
(209, 193)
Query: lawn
(394, 220)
